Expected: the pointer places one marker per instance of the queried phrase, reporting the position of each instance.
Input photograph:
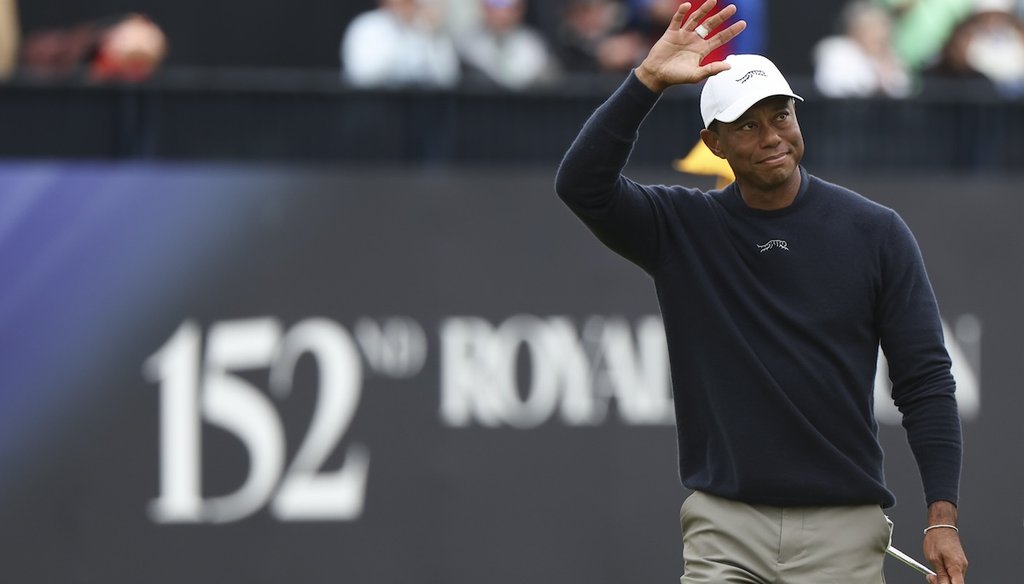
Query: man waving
(776, 292)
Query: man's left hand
(942, 545)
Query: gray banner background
(556, 502)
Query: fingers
(947, 558)
(948, 573)
(720, 17)
(677, 18)
(697, 18)
(726, 35)
(713, 68)
(698, 15)
(956, 572)
(942, 578)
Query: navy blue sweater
(774, 320)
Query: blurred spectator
(921, 27)
(860, 62)
(653, 17)
(10, 36)
(401, 43)
(462, 16)
(987, 45)
(504, 49)
(594, 36)
(120, 48)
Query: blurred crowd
(887, 48)
(122, 47)
(891, 47)
(878, 48)
(512, 43)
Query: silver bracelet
(930, 527)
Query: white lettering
(964, 370)
(210, 390)
(575, 377)
(635, 374)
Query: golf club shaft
(909, 561)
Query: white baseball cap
(728, 94)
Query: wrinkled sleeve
(621, 213)
(919, 365)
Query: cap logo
(750, 74)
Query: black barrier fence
(277, 374)
(307, 116)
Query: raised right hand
(675, 58)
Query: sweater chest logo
(779, 244)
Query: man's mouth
(774, 158)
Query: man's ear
(711, 141)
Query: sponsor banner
(238, 373)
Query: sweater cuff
(643, 93)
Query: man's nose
(769, 135)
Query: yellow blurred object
(703, 161)
(10, 37)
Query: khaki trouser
(728, 542)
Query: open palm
(675, 59)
